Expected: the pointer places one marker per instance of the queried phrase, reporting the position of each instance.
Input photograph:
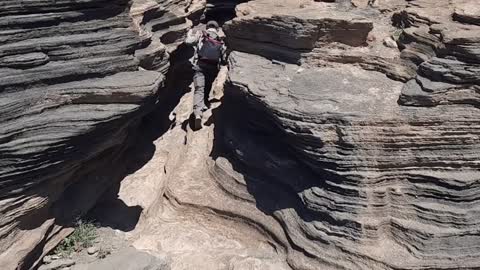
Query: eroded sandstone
(329, 150)
(76, 77)
(375, 168)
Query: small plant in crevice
(82, 237)
(397, 33)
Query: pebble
(47, 259)
(92, 250)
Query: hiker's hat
(212, 24)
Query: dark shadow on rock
(98, 179)
(112, 212)
(211, 120)
(257, 148)
(221, 11)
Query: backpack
(210, 48)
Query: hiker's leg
(199, 92)
(210, 77)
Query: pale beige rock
(47, 259)
(92, 250)
(57, 264)
(389, 42)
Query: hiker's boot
(197, 122)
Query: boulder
(468, 12)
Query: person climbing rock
(210, 52)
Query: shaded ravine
(184, 213)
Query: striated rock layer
(361, 171)
(330, 150)
(75, 76)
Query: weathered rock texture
(127, 259)
(75, 76)
(361, 171)
(329, 151)
(341, 152)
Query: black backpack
(210, 48)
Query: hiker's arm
(192, 37)
(224, 55)
(221, 34)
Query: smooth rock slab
(57, 264)
(24, 60)
(127, 259)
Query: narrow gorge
(341, 135)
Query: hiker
(209, 54)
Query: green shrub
(82, 237)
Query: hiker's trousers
(205, 74)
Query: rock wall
(348, 136)
(75, 77)
(367, 156)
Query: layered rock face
(445, 51)
(75, 76)
(360, 170)
(330, 150)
